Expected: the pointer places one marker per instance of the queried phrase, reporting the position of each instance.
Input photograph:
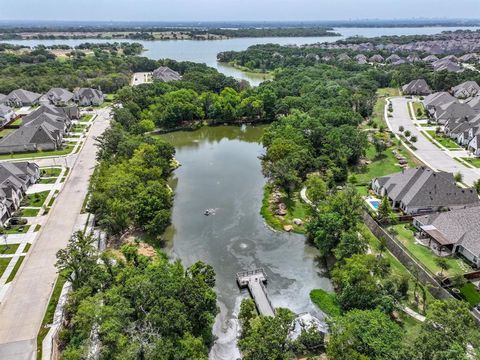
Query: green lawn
(47, 180)
(36, 199)
(473, 161)
(78, 127)
(8, 249)
(326, 301)
(379, 107)
(382, 165)
(27, 247)
(15, 269)
(406, 236)
(444, 141)
(50, 172)
(29, 155)
(16, 229)
(470, 294)
(5, 132)
(17, 122)
(3, 264)
(37, 227)
(86, 118)
(49, 313)
(30, 212)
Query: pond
(220, 170)
(206, 51)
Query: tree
(448, 329)
(361, 335)
(266, 337)
(385, 213)
(380, 145)
(401, 128)
(407, 133)
(351, 243)
(316, 188)
(413, 139)
(78, 259)
(443, 264)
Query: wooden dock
(255, 281)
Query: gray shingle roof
(458, 226)
(417, 87)
(166, 74)
(23, 96)
(422, 187)
(57, 95)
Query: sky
(230, 10)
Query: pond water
(206, 51)
(221, 171)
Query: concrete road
(427, 152)
(26, 300)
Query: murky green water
(221, 170)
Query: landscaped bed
(423, 254)
(419, 110)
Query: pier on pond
(255, 281)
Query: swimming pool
(374, 203)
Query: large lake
(221, 170)
(206, 51)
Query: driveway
(426, 151)
(27, 298)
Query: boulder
(298, 222)
(287, 228)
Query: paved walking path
(427, 152)
(22, 311)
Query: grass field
(86, 118)
(406, 236)
(383, 165)
(471, 294)
(326, 301)
(442, 140)
(378, 109)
